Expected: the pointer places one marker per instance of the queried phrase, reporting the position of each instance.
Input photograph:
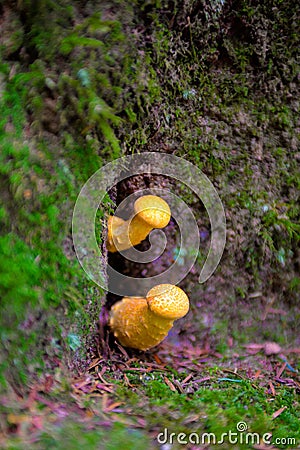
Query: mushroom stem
(142, 323)
(150, 212)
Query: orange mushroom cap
(153, 210)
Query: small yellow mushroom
(150, 211)
(142, 323)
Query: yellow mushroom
(142, 323)
(150, 211)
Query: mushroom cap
(153, 210)
(168, 301)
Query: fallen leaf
(271, 348)
(276, 311)
(272, 388)
(17, 419)
(278, 412)
(254, 348)
(281, 370)
(187, 378)
(94, 363)
(255, 295)
(113, 406)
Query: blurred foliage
(39, 277)
(74, 436)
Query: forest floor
(215, 83)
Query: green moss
(217, 409)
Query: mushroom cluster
(138, 322)
(142, 323)
(150, 211)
